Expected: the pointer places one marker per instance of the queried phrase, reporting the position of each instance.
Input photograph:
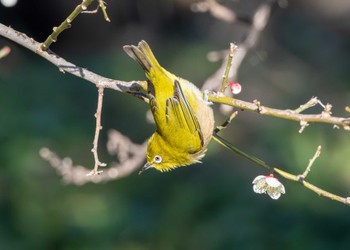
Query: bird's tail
(142, 54)
(241, 153)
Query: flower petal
(272, 181)
(258, 178)
(274, 193)
(260, 186)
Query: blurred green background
(303, 52)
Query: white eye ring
(157, 159)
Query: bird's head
(163, 157)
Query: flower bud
(235, 87)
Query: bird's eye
(157, 159)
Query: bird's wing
(179, 113)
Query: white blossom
(268, 185)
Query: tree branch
(133, 87)
(65, 24)
(296, 178)
(258, 24)
(68, 67)
(130, 157)
(324, 117)
(98, 128)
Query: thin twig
(284, 174)
(258, 24)
(303, 125)
(217, 10)
(101, 4)
(312, 102)
(226, 123)
(98, 128)
(130, 157)
(65, 24)
(233, 47)
(103, 8)
(311, 162)
(284, 114)
(68, 67)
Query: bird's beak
(145, 167)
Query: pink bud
(235, 87)
(5, 51)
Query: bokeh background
(303, 52)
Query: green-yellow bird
(184, 120)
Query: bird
(184, 120)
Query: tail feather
(143, 55)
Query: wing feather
(179, 113)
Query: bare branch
(311, 162)
(68, 67)
(303, 125)
(135, 87)
(65, 24)
(284, 174)
(226, 123)
(98, 128)
(129, 154)
(311, 103)
(130, 157)
(259, 22)
(317, 190)
(102, 5)
(233, 48)
(215, 9)
(284, 114)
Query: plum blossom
(268, 185)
